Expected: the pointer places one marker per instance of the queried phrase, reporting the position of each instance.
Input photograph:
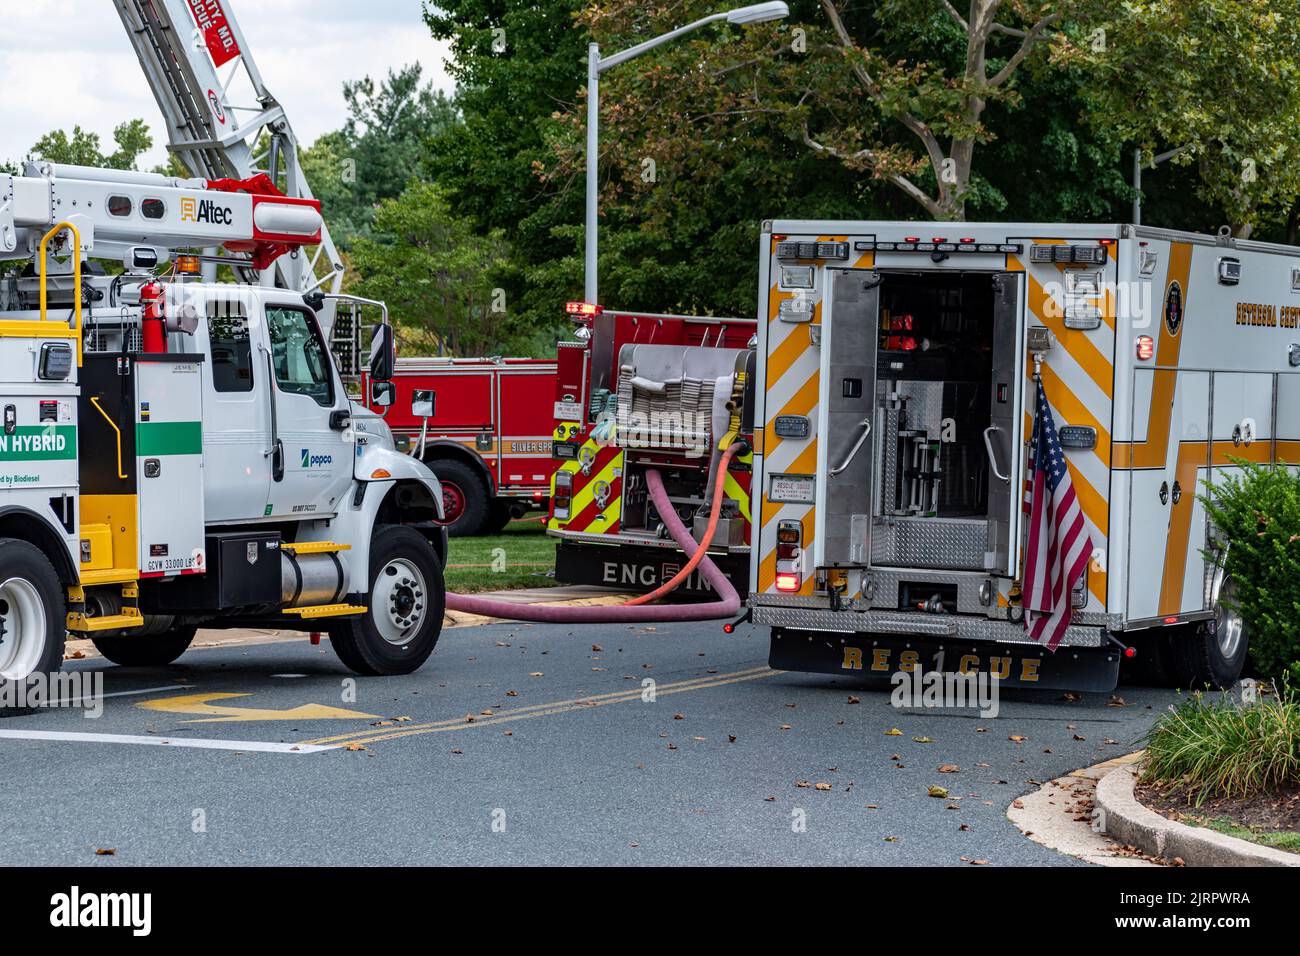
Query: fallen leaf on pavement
(937, 791)
(893, 732)
(949, 768)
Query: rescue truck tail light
(789, 541)
(1146, 348)
(563, 495)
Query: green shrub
(1220, 749)
(1258, 511)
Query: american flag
(1059, 544)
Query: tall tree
(82, 147)
(1217, 79)
(893, 89)
(437, 275)
(516, 62)
(379, 149)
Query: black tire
(145, 650)
(360, 642)
(25, 563)
(1198, 658)
(500, 513)
(464, 496)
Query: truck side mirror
(383, 356)
(422, 400)
(382, 394)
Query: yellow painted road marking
(199, 704)
(552, 708)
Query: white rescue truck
(896, 372)
(177, 453)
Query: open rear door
(1002, 438)
(849, 338)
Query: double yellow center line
(548, 709)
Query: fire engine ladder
(215, 137)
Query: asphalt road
(571, 766)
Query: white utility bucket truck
(899, 373)
(177, 453)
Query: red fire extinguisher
(151, 306)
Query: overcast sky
(68, 62)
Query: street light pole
(593, 179)
(1137, 177)
(754, 13)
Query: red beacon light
(583, 309)
(1146, 348)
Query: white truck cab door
(311, 422)
(236, 411)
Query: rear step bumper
(877, 658)
(964, 627)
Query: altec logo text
(315, 461)
(205, 210)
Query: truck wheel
(1212, 653)
(406, 600)
(498, 516)
(33, 616)
(146, 650)
(33, 612)
(464, 498)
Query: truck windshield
(298, 355)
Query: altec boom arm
(117, 213)
(222, 121)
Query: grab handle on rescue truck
(276, 451)
(76, 278)
(94, 400)
(865, 425)
(993, 460)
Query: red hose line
(719, 482)
(727, 605)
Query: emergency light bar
(912, 244)
(1060, 252)
(583, 309)
(812, 250)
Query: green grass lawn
(1277, 839)
(518, 557)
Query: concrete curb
(1127, 820)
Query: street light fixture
(753, 13)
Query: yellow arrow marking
(199, 704)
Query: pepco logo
(315, 461)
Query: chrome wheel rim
(24, 620)
(399, 603)
(1229, 628)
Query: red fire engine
(488, 438)
(639, 390)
